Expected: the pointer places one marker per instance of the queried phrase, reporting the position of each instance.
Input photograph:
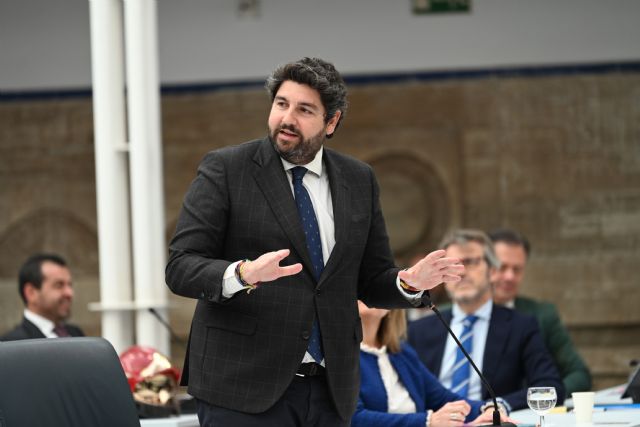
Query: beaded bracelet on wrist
(245, 285)
(407, 287)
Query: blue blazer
(515, 356)
(423, 387)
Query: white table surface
(186, 420)
(601, 418)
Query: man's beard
(303, 152)
(472, 298)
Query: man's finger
(281, 254)
(290, 270)
(435, 255)
(450, 278)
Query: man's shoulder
(506, 314)
(230, 151)
(19, 332)
(533, 306)
(346, 161)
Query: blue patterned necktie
(460, 377)
(314, 247)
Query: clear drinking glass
(541, 400)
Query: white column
(147, 201)
(111, 171)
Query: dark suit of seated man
(506, 345)
(46, 290)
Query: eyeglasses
(471, 262)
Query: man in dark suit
(44, 283)
(513, 249)
(506, 345)
(278, 345)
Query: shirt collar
(373, 350)
(44, 324)
(510, 304)
(484, 312)
(314, 166)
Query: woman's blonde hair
(392, 330)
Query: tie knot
(298, 173)
(469, 320)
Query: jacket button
(305, 335)
(318, 292)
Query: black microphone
(166, 325)
(496, 412)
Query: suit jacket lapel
(440, 343)
(32, 330)
(497, 336)
(272, 180)
(339, 192)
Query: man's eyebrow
(310, 105)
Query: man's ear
(30, 291)
(333, 122)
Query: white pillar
(147, 201)
(111, 171)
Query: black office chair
(63, 382)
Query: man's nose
(509, 274)
(289, 117)
(68, 291)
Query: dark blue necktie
(460, 377)
(314, 247)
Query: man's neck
(470, 307)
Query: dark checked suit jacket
(27, 330)
(515, 356)
(244, 351)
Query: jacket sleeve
(193, 269)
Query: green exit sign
(440, 6)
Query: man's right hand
(266, 267)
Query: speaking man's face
(297, 125)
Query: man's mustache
(290, 128)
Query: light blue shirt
(480, 332)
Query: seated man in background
(505, 345)
(513, 249)
(45, 287)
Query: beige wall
(555, 157)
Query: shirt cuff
(503, 405)
(428, 420)
(230, 284)
(412, 297)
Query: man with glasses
(505, 345)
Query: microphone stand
(496, 412)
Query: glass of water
(541, 400)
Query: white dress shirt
(480, 332)
(45, 325)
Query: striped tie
(460, 377)
(314, 246)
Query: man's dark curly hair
(317, 74)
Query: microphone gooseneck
(496, 412)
